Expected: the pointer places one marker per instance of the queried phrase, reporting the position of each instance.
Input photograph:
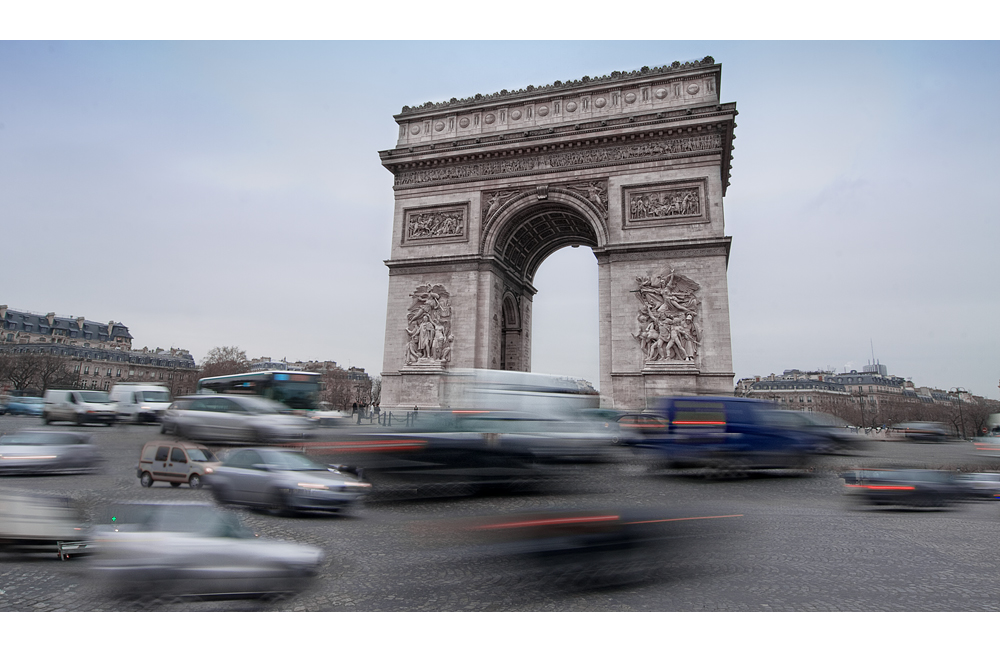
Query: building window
(109, 372)
(97, 371)
(131, 372)
(107, 385)
(86, 370)
(118, 373)
(93, 384)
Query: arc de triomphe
(633, 165)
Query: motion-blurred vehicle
(296, 390)
(48, 452)
(981, 485)
(905, 487)
(233, 418)
(282, 481)
(833, 435)
(988, 446)
(924, 431)
(25, 405)
(578, 548)
(328, 417)
(176, 462)
(140, 403)
(638, 425)
(725, 436)
(39, 523)
(194, 550)
(79, 406)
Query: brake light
(883, 486)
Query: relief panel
(664, 204)
(436, 225)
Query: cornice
(584, 84)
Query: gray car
(230, 418)
(193, 549)
(282, 481)
(47, 452)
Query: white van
(140, 403)
(79, 406)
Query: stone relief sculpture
(494, 201)
(429, 327)
(665, 203)
(596, 192)
(667, 318)
(435, 224)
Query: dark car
(26, 405)
(906, 487)
(833, 436)
(924, 431)
(725, 434)
(641, 425)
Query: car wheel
(45, 418)
(277, 504)
(195, 481)
(146, 480)
(79, 420)
(219, 494)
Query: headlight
(310, 485)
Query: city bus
(299, 390)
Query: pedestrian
(354, 408)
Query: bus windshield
(297, 390)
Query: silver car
(193, 549)
(282, 481)
(232, 418)
(48, 452)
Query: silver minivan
(233, 418)
(79, 406)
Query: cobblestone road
(797, 546)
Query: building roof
(16, 320)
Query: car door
(242, 476)
(233, 419)
(160, 461)
(178, 466)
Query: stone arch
(534, 225)
(511, 351)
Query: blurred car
(194, 550)
(988, 446)
(48, 452)
(641, 425)
(725, 436)
(832, 435)
(79, 406)
(175, 462)
(328, 417)
(283, 481)
(39, 523)
(25, 405)
(981, 485)
(905, 487)
(924, 431)
(233, 418)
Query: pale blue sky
(216, 193)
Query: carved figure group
(667, 329)
(432, 225)
(428, 330)
(665, 204)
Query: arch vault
(632, 165)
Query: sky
(217, 193)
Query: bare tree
(53, 372)
(21, 370)
(224, 360)
(376, 390)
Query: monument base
(413, 386)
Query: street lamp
(961, 419)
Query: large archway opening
(565, 316)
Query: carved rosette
(668, 319)
(436, 225)
(428, 328)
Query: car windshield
(198, 520)
(155, 397)
(94, 397)
(39, 439)
(290, 461)
(30, 400)
(201, 455)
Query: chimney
(79, 325)
(3, 311)
(51, 317)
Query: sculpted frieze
(428, 327)
(681, 202)
(668, 315)
(593, 192)
(651, 149)
(437, 224)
